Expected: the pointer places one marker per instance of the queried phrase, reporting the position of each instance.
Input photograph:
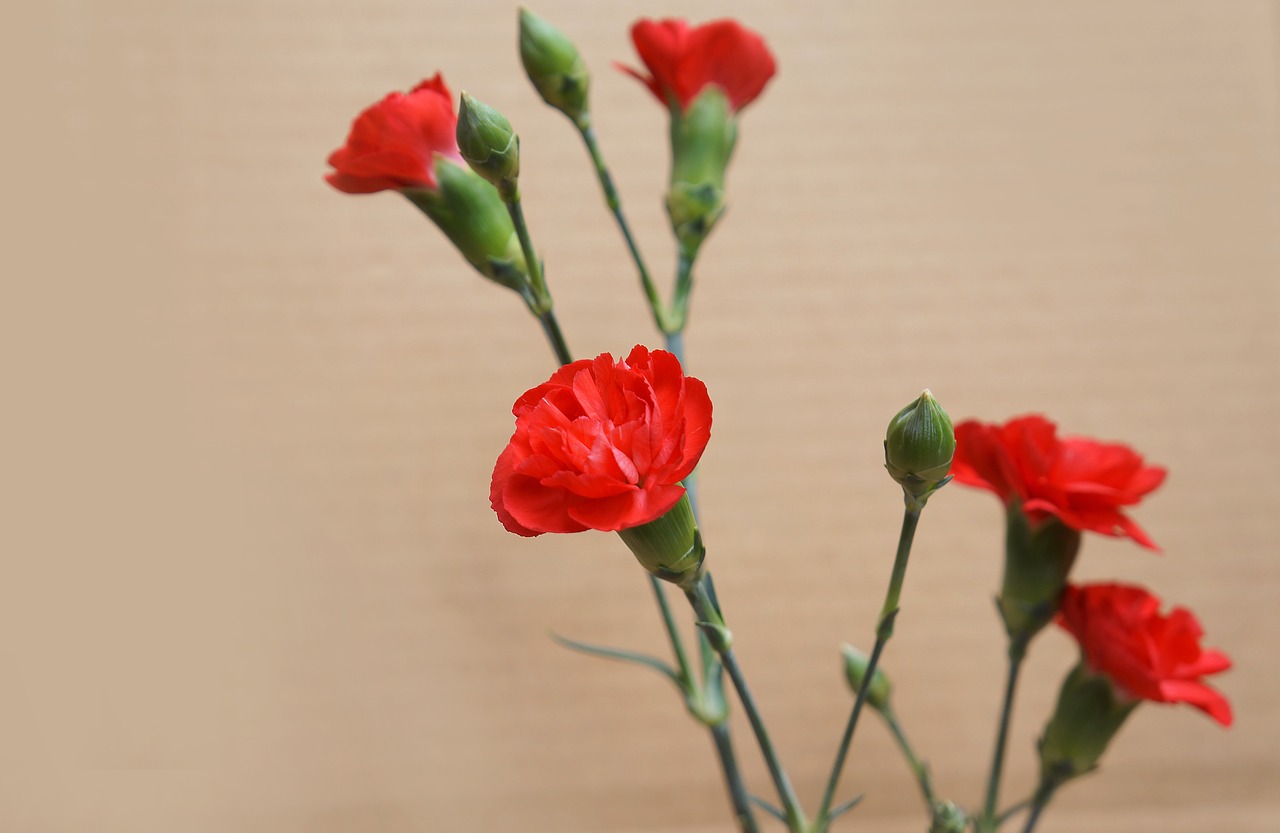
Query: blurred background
(252, 582)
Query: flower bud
(948, 818)
(919, 445)
(488, 143)
(1089, 713)
(472, 215)
(855, 671)
(554, 66)
(1037, 561)
(702, 140)
(670, 547)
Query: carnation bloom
(393, 143)
(1082, 482)
(603, 444)
(1148, 656)
(682, 60)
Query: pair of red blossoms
(393, 144)
(604, 445)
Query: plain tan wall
(253, 583)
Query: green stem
(679, 316)
(921, 771)
(988, 821)
(668, 620)
(733, 779)
(1037, 807)
(707, 612)
(614, 202)
(884, 630)
(555, 337)
(542, 297)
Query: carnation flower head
(1084, 483)
(393, 143)
(1146, 654)
(603, 444)
(682, 60)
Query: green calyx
(473, 216)
(669, 547)
(1037, 560)
(919, 445)
(855, 672)
(1089, 713)
(554, 66)
(488, 143)
(702, 140)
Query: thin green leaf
(622, 656)
(845, 807)
(768, 808)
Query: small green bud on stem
(855, 671)
(554, 66)
(489, 144)
(918, 447)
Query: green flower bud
(488, 143)
(702, 140)
(554, 66)
(1037, 561)
(948, 818)
(1089, 713)
(919, 445)
(670, 547)
(855, 671)
(472, 215)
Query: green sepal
(1038, 560)
(1088, 714)
(703, 136)
(472, 215)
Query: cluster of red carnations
(607, 444)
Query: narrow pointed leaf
(768, 808)
(622, 656)
(845, 807)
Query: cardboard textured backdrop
(252, 582)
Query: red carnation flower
(682, 60)
(602, 444)
(1146, 655)
(1082, 482)
(392, 144)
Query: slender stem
(884, 630)
(707, 612)
(511, 196)
(733, 779)
(1012, 810)
(614, 202)
(679, 316)
(677, 644)
(1037, 808)
(555, 337)
(921, 771)
(1017, 650)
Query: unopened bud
(553, 65)
(670, 547)
(855, 671)
(948, 818)
(488, 143)
(919, 445)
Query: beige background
(252, 582)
